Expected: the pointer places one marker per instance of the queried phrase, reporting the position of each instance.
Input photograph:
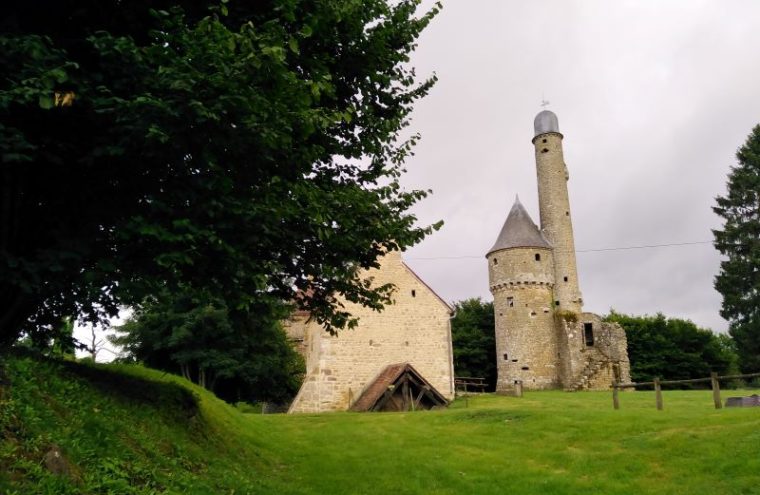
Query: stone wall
(526, 343)
(594, 366)
(556, 220)
(415, 329)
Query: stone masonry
(415, 329)
(543, 337)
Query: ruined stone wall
(526, 343)
(415, 329)
(595, 366)
(556, 220)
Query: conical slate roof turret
(519, 231)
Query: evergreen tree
(739, 241)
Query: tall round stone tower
(521, 278)
(554, 207)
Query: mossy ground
(127, 429)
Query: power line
(621, 248)
(646, 246)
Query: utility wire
(622, 248)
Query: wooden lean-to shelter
(399, 387)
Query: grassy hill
(127, 429)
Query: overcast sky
(653, 99)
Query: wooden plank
(404, 394)
(419, 398)
(380, 403)
(716, 390)
(658, 393)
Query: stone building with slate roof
(543, 337)
(415, 330)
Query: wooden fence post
(615, 399)
(716, 389)
(658, 393)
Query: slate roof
(519, 231)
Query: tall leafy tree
(672, 348)
(739, 241)
(237, 356)
(473, 338)
(247, 149)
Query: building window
(511, 302)
(538, 257)
(588, 334)
(565, 279)
(543, 140)
(545, 150)
(525, 368)
(495, 261)
(414, 293)
(556, 303)
(506, 358)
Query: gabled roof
(419, 279)
(388, 383)
(519, 231)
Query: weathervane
(544, 102)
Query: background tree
(246, 149)
(236, 356)
(473, 339)
(739, 241)
(672, 348)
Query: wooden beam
(658, 393)
(716, 390)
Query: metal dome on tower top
(545, 121)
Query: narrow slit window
(495, 261)
(564, 278)
(506, 358)
(538, 256)
(414, 293)
(588, 334)
(511, 302)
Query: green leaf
(46, 102)
(293, 45)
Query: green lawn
(132, 430)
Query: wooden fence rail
(714, 380)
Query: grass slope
(127, 429)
